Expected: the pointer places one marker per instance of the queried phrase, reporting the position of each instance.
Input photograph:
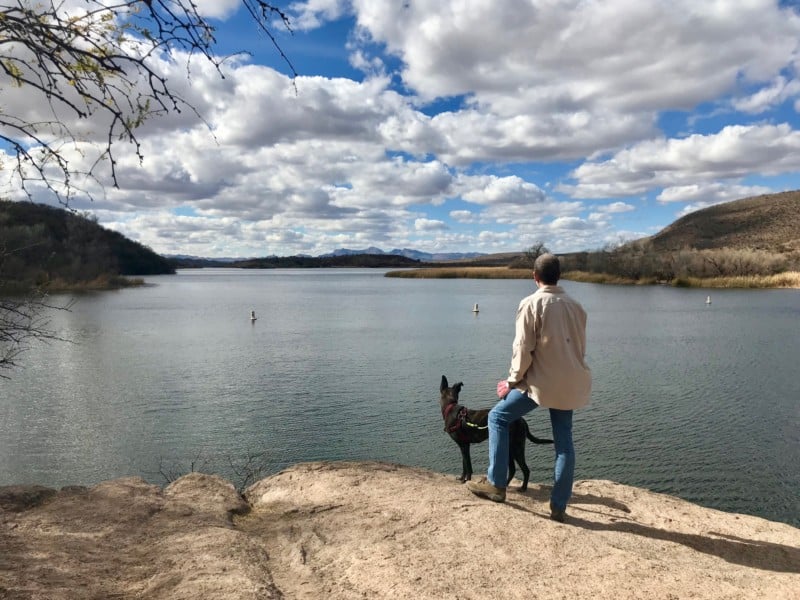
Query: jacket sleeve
(524, 342)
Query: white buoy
(475, 308)
(708, 299)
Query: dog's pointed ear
(443, 385)
(457, 387)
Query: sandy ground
(376, 530)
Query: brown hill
(768, 222)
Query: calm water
(698, 401)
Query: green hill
(768, 222)
(55, 247)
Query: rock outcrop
(377, 530)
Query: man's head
(547, 269)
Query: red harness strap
(458, 422)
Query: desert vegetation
(748, 243)
(639, 263)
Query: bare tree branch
(98, 64)
(23, 321)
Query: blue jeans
(515, 405)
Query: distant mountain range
(408, 253)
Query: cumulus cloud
(314, 13)
(615, 207)
(217, 9)
(500, 190)
(463, 216)
(465, 105)
(734, 152)
(765, 98)
(606, 62)
(426, 225)
(712, 193)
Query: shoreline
(787, 280)
(104, 283)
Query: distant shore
(790, 279)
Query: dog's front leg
(466, 462)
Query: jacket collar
(551, 289)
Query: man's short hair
(547, 268)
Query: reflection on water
(696, 400)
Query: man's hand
(502, 388)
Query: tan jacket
(547, 361)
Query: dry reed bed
(790, 279)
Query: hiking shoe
(484, 489)
(557, 514)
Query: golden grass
(586, 277)
(790, 279)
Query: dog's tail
(532, 437)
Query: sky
(464, 126)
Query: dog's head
(447, 394)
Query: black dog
(467, 427)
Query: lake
(697, 400)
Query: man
(547, 369)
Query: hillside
(45, 245)
(378, 530)
(768, 222)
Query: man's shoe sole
(494, 497)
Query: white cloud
(463, 216)
(483, 98)
(603, 60)
(765, 98)
(312, 14)
(572, 224)
(615, 207)
(708, 194)
(500, 190)
(217, 9)
(426, 225)
(734, 152)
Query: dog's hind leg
(511, 468)
(466, 462)
(517, 454)
(526, 473)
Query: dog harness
(460, 422)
